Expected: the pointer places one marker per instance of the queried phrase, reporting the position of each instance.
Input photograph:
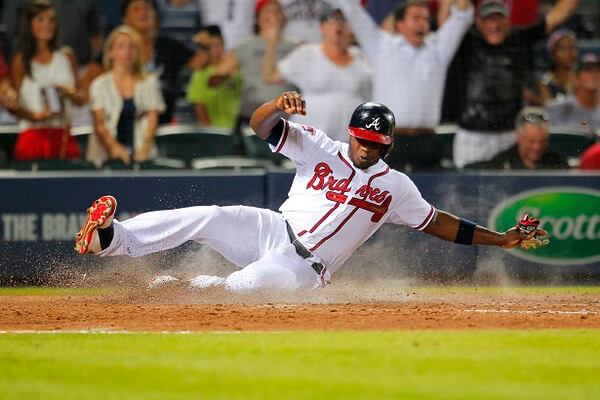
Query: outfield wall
(41, 212)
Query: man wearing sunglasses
(531, 148)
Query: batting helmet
(374, 122)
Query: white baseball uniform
(332, 208)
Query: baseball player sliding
(341, 195)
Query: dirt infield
(404, 308)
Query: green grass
(547, 364)
(520, 290)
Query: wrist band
(465, 232)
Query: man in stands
(488, 76)
(581, 110)
(531, 150)
(409, 67)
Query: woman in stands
(44, 74)
(126, 103)
(557, 83)
(330, 72)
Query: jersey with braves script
(334, 207)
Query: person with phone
(44, 74)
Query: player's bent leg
(274, 273)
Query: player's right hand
(291, 103)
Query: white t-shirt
(334, 207)
(302, 19)
(234, 17)
(332, 92)
(31, 96)
(409, 80)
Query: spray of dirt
(383, 269)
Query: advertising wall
(40, 214)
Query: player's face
(532, 143)
(415, 25)
(364, 153)
(494, 28)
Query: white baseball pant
(254, 239)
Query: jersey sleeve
(301, 143)
(412, 209)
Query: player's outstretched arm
(449, 227)
(267, 116)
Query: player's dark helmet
(374, 122)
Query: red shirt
(591, 158)
(3, 69)
(521, 12)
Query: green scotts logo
(570, 215)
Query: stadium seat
(235, 163)
(569, 144)
(52, 165)
(184, 112)
(8, 138)
(445, 135)
(187, 142)
(158, 164)
(255, 147)
(416, 153)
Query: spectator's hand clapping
(42, 116)
(143, 153)
(119, 152)
(67, 90)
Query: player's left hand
(514, 238)
(292, 103)
(526, 234)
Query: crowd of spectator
(470, 62)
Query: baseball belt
(303, 251)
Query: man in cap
(581, 110)
(531, 150)
(409, 66)
(488, 76)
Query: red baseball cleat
(99, 215)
